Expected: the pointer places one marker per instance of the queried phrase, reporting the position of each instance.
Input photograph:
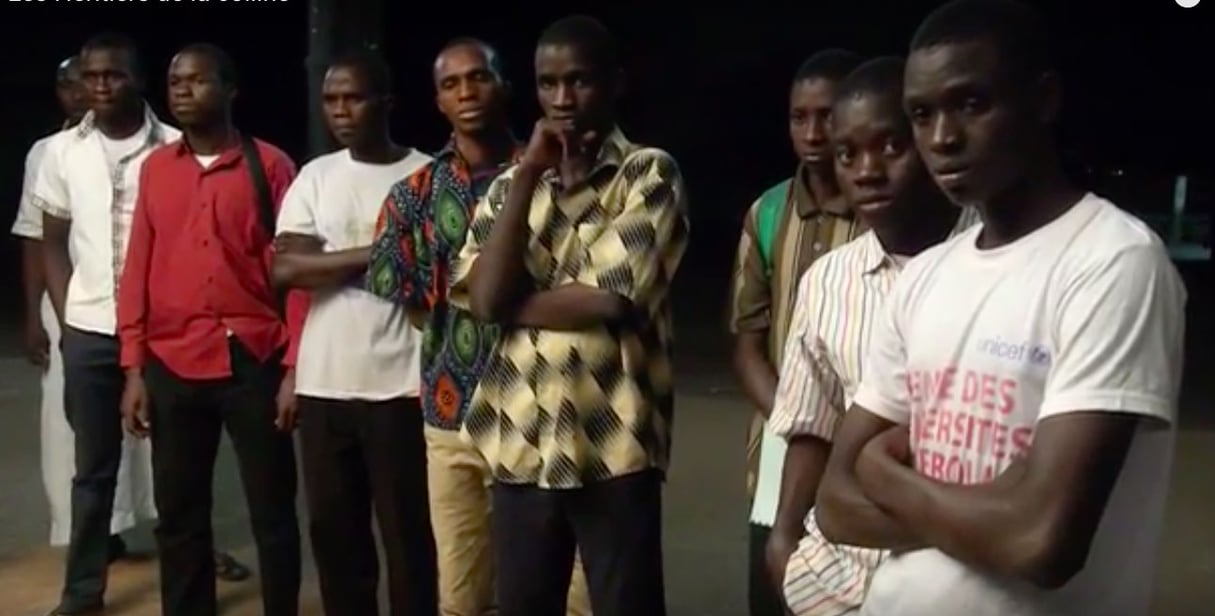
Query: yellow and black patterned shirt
(562, 409)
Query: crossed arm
(492, 279)
(1036, 521)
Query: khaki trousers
(460, 485)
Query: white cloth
(354, 345)
(76, 181)
(978, 346)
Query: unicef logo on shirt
(1025, 352)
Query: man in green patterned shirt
(580, 241)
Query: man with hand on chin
(572, 252)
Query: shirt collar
(88, 125)
(804, 201)
(874, 257)
(450, 152)
(612, 152)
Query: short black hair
(1018, 31)
(588, 35)
(370, 65)
(492, 57)
(66, 67)
(881, 76)
(225, 67)
(114, 41)
(829, 64)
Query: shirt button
(818, 246)
(204, 242)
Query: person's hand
(284, 419)
(554, 141)
(781, 545)
(37, 343)
(135, 405)
(890, 448)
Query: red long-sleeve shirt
(198, 265)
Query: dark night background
(708, 84)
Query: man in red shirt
(203, 340)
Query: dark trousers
(187, 417)
(356, 454)
(93, 383)
(616, 526)
(762, 594)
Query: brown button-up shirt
(806, 231)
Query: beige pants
(460, 505)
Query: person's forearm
(318, 270)
(33, 277)
(754, 370)
(993, 526)
(846, 514)
(570, 307)
(805, 459)
(496, 281)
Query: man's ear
(232, 94)
(620, 83)
(389, 102)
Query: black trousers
(186, 418)
(356, 454)
(762, 595)
(93, 383)
(616, 525)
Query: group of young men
(489, 324)
(966, 368)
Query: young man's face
(972, 122)
(197, 94)
(73, 98)
(469, 91)
(109, 80)
(571, 88)
(809, 116)
(876, 163)
(353, 110)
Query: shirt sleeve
(638, 254)
(1119, 338)
(51, 194)
(281, 175)
(750, 290)
(29, 218)
(297, 214)
(809, 395)
(133, 285)
(478, 233)
(393, 271)
(883, 387)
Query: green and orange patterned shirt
(421, 230)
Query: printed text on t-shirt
(965, 424)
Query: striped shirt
(838, 301)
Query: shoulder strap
(265, 202)
(771, 204)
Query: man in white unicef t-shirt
(1012, 436)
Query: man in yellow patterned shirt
(572, 252)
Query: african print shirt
(421, 229)
(561, 409)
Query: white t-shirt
(1084, 314)
(355, 346)
(206, 159)
(116, 149)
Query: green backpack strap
(771, 205)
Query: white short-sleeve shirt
(94, 184)
(354, 346)
(28, 223)
(978, 346)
